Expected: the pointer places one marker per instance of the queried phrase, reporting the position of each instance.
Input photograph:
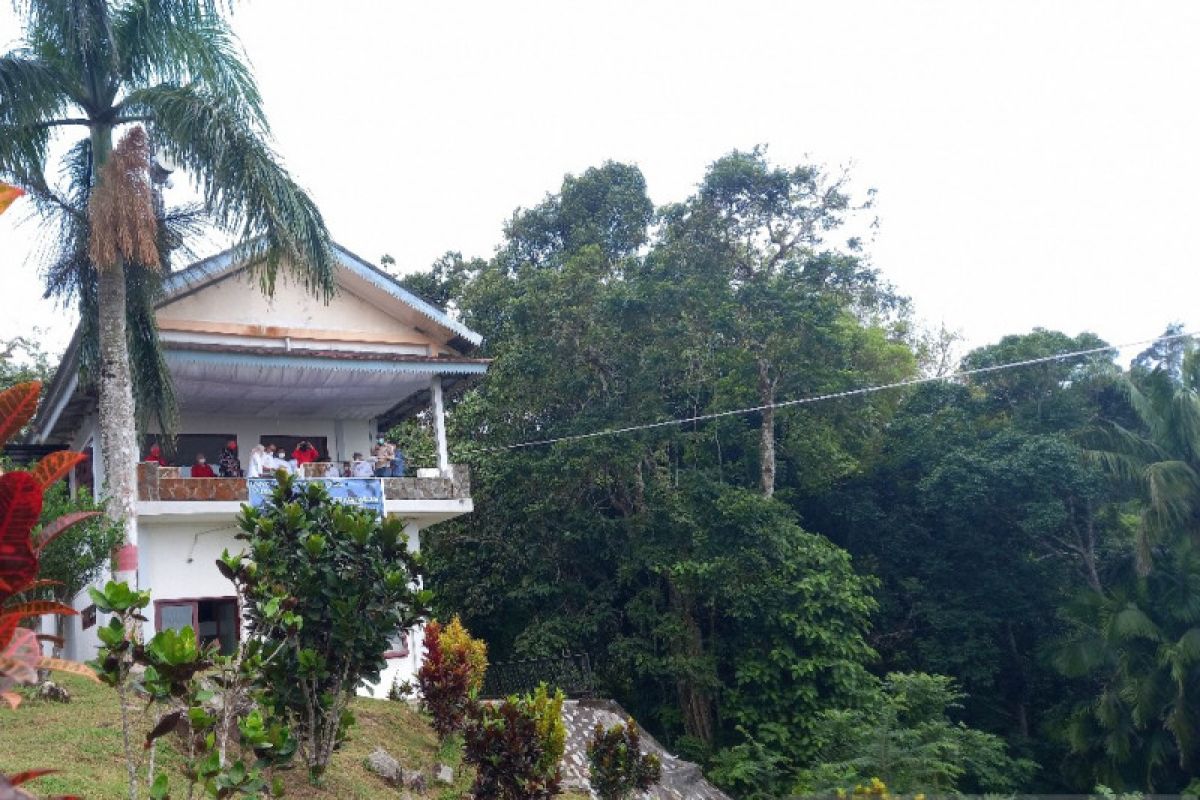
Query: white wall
(177, 560)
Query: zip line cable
(819, 398)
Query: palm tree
(1138, 642)
(1158, 458)
(1138, 638)
(174, 66)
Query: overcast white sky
(1037, 163)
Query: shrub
(618, 766)
(457, 642)
(516, 747)
(202, 696)
(349, 579)
(444, 680)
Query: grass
(83, 740)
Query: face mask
(199, 460)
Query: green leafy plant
(904, 737)
(618, 766)
(326, 587)
(516, 746)
(203, 697)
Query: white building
(256, 370)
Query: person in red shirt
(201, 469)
(304, 453)
(156, 456)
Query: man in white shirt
(361, 468)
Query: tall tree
(751, 248)
(175, 67)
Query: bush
(516, 747)
(905, 738)
(618, 766)
(414, 440)
(444, 680)
(457, 640)
(349, 578)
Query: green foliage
(327, 586)
(516, 746)
(716, 570)
(414, 440)
(22, 359)
(618, 767)
(905, 738)
(76, 558)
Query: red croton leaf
(17, 405)
(55, 466)
(28, 775)
(8, 195)
(19, 660)
(20, 507)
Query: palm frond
(1183, 415)
(244, 187)
(184, 42)
(1141, 398)
(1122, 453)
(31, 90)
(1174, 490)
(23, 151)
(153, 391)
(79, 32)
(1133, 623)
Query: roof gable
(370, 291)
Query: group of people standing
(268, 459)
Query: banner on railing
(366, 493)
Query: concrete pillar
(439, 424)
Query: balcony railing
(157, 483)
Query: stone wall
(681, 780)
(164, 483)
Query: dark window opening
(213, 620)
(182, 452)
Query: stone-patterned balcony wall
(166, 483)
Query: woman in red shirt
(304, 453)
(201, 469)
(156, 456)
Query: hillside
(83, 739)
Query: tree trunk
(766, 397)
(695, 701)
(118, 422)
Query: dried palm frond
(121, 208)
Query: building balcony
(164, 492)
